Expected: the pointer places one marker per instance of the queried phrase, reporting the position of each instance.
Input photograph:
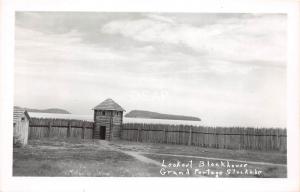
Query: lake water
(125, 119)
(135, 120)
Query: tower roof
(109, 104)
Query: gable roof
(109, 104)
(18, 111)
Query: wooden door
(102, 132)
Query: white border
(9, 183)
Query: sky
(229, 69)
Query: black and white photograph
(150, 94)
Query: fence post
(83, 130)
(49, 129)
(277, 140)
(138, 134)
(69, 129)
(93, 131)
(190, 137)
(165, 135)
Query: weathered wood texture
(112, 120)
(61, 128)
(215, 137)
(21, 130)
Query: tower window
(103, 112)
(23, 119)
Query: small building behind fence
(108, 118)
(21, 126)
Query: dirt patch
(242, 155)
(136, 155)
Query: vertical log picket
(69, 129)
(138, 134)
(165, 135)
(190, 137)
(83, 130)
(49, 129)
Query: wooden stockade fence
(62, 128)
(216, 137)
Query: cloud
(228, 71)
(59, 51)
(161, 18)
(254, 38)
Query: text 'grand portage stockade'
(196, 105)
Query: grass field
(58, 157)
(75, 158)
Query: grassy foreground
(69, 157)
(75, 158)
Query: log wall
(61, 128)
(274, 139)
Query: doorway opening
(102, 132)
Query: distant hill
(155, 115)
(50, 110)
